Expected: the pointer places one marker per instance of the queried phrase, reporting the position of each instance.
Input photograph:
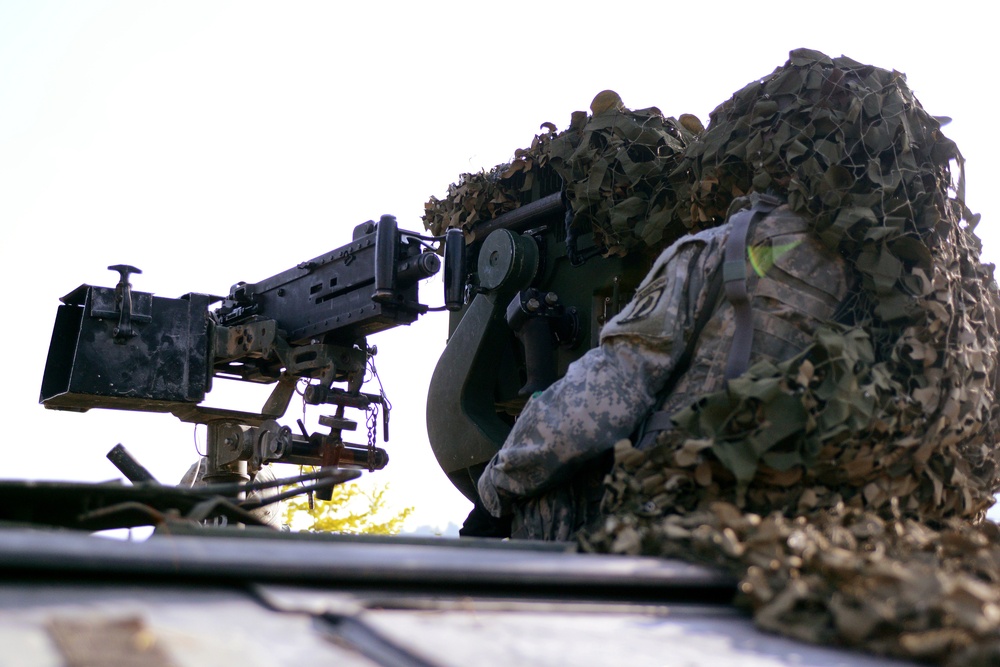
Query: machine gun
(119, 348)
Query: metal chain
(386, 404)
(372, 421)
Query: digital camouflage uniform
(549, 473)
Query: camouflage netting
(614, 164)
(485, 195)
(846, 486)
(846, 577)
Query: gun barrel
(523, 217)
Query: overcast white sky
(212, 142)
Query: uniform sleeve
(606, 393)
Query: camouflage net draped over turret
(614, 163)
(843, 486)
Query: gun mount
(536, 298)
(119, 348)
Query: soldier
(671, 343)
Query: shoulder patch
(644, 303)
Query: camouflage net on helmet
(845, 487)
(614, 164)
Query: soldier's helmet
(825, 133)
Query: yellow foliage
(351, 510)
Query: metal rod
(129, 466)
(233, 489)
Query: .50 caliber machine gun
(119, 348)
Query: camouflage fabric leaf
(613, 165)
